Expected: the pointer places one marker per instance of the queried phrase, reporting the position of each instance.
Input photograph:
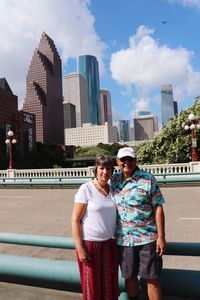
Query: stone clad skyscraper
(44, 92)
(75, 90)
(106, 107)
(89, 68)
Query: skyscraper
(20, 122)
(76, 92)
(145, 126)
(167, 103)
(123, 130)
(106, 109)
(175, 107)
(69, 110)
(44, 92)
(89, 68)
(142, 113)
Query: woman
(93, 229)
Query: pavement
(48, 212)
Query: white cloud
(141, 104)
(192, 3)
(68, 22)
(146, 65)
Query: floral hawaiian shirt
(135, 199)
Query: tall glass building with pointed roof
(168, 105)
(89, 68)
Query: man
(140, 226)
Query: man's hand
(160, 245)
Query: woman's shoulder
(84, 192)
(87, 186)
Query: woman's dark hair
(104, 161)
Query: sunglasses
(127, 158)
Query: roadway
(48, 212)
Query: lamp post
(10, 140)
(193, 123)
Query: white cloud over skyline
(146, 65)
(192, 3)
(137, 70)
(70, 24)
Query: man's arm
(160, 222)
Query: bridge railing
(74, 182)
(88, 171)
(64, 275)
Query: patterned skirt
(99, 277)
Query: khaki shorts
(140, 260)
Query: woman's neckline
(103, 191)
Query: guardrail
(44, 181)
(64, 275)
(88, 171)
(181, 174)
(180, 180)
(69, 182)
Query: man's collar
(131, 178)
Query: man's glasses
(127, 158)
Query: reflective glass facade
(89, 68)
(123, 130)
(167, 103)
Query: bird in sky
(164, 22)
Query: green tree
(90, 152)
(42, 156)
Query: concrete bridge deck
(48, 211)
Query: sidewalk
(19, 292)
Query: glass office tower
(167, 103)
(124, 130)
(89, 68)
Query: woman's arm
(77, 215)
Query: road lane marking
(14, 196)
(189, 218)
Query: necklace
(105, 190)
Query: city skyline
(138, 49)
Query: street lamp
(10, 140)
(193, 123)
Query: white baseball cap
(126, 151)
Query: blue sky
(136, 51)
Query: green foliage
(111, 148)
(106, 147)
(42, 156)
(90, 152)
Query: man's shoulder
(116, 177)
(143, 173)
